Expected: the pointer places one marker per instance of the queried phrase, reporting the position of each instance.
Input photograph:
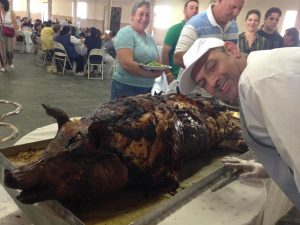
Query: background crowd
(78, 42)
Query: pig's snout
(9, 180)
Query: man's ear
(231, 48)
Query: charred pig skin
(130, 141)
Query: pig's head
(72, 135)
(72, 167)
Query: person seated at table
(94, 40)
(64, 23)
(74, 31)
(37, 21)
(82, 32)
(64, 37)
(110, 52)
(74, 37)
(36, 32)
(108, 43)
(46, 35)
(91, 42)
(79, 45)
(56, 28)
(27, 23)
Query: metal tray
(127, 207)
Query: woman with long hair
(8, 19)
(250, 40)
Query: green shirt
(144, 50)
(171, 40)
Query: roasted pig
(131, 141)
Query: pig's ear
(60, 116)
(97, 133)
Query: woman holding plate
(134, 47)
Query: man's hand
(251, 169)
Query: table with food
(138, 160)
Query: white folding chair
(20, 42)
(95, 58)
(61, 59)
(41, 55)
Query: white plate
(156, 68)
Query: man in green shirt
(171, 38)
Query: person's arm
(271, 110)
(187, 37)
(14, 21)
(125, 58)
(178, 58)
(165, 54)
(165, 60)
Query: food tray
(127, 207)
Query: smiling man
(266, 83)
(219, 21)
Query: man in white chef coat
(266, 84)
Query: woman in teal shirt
(134, 46)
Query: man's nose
(211, 84)
(144, 17)
(236, 12)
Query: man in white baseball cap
(198, 50)
(266, 83)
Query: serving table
(240, 202)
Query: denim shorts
(119, 89)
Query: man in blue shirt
(217, 21)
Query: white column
(75, 13)
(107, 14)
(28, 9)
(49, 9)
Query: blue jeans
(119, 89)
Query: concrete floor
(30, 86)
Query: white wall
(62, 8)
(126, 8)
